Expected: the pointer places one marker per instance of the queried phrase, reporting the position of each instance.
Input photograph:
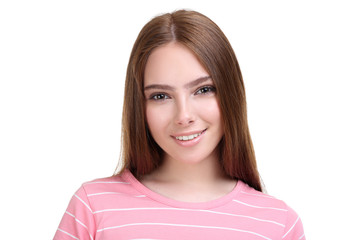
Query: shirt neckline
(129, 177)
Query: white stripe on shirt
(291, 227)
(82, 224)
(105, 182)
(109, 193)
(192, 210)
(302, 236)
(258, 195)
(183, 225)
(246, 204)
(103, 193)
(83, 202)
(68, 234)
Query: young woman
(188, 169)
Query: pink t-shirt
(120, 207)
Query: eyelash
(155, 96)
(209, 89)
(202, 90)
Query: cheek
(210, 111)
(151, 118)
(156, 118)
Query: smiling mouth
(189, 137)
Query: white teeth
(186, 138)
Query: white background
(62, 71)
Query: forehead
(172, 64)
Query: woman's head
(140, 153)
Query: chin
(193, 158)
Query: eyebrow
(168, 87)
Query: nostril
(185, 122)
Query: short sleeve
(78, 221)
(293, 227)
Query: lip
(189, 143)
(189, 133)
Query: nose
(184, 115)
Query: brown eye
(159, 97)
(205, 90)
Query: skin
(181, 101)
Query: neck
(200, 173)
(189, 182)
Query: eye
(205, 90)
(159, 96)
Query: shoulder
(104, 184)
(117, 184)
(101, 193)
(268, 207)
(251, 197)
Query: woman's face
(182, 110)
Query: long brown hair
(140, 153)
